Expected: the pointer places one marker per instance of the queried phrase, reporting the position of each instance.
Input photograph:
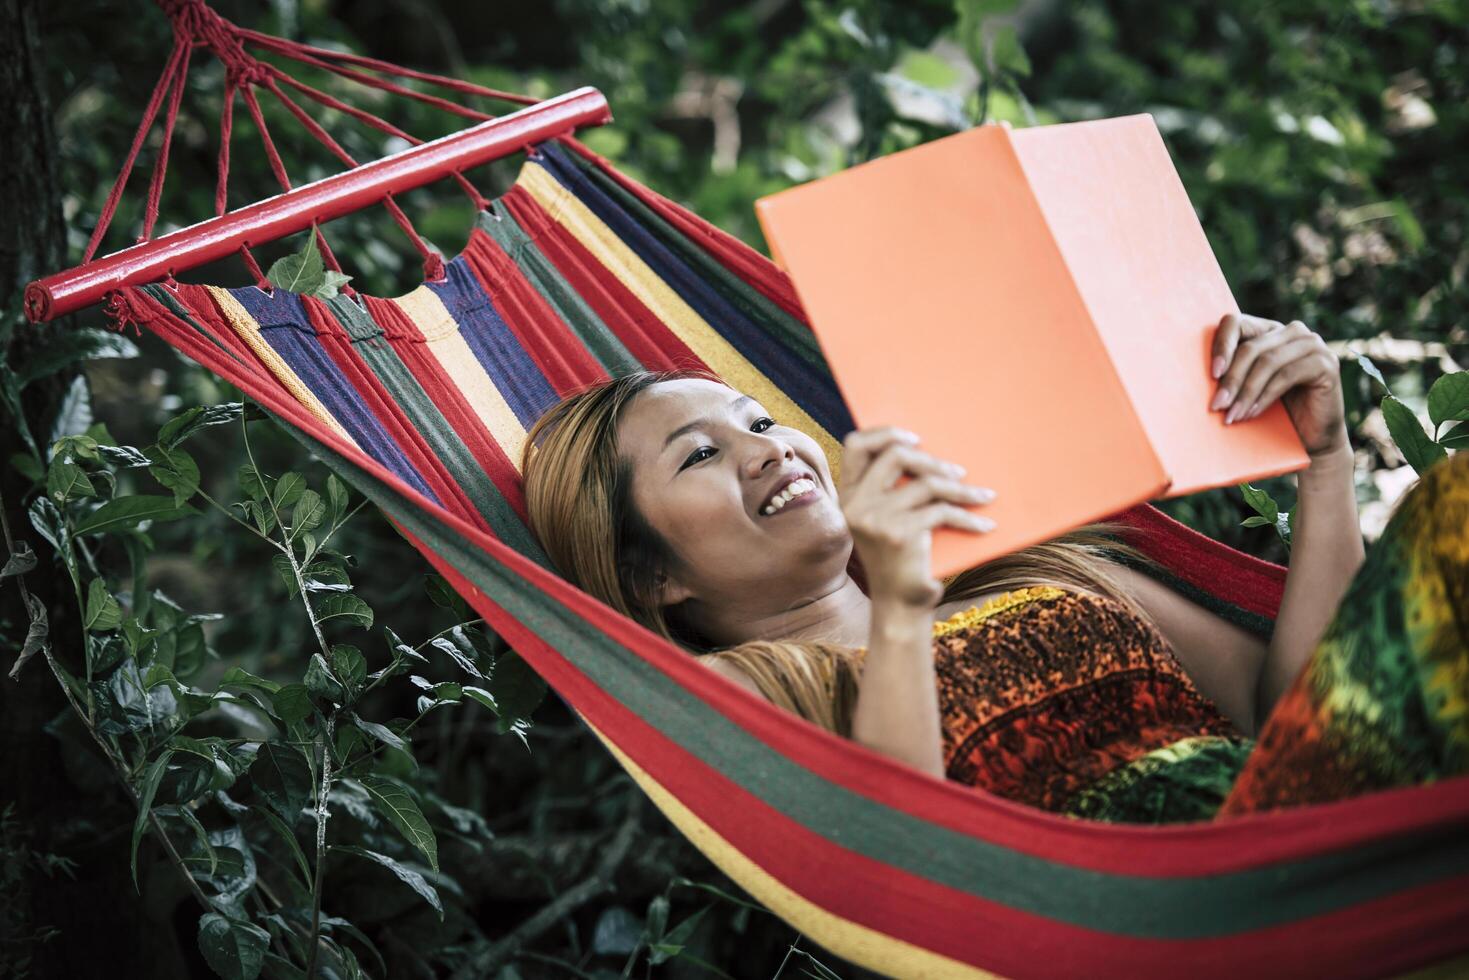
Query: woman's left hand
(1262, 360)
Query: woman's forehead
(660, 407)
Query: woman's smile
(798, 494)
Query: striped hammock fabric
(578, 273)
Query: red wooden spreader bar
(318, 202)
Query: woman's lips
(806, 498)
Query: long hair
(578, 493)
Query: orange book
(1039, 306)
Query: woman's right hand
(892, 526)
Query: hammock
(577, 273)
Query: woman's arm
(897, 710)
(1326, 551)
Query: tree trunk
(51, 924)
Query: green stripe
(166, 297)
(547, 280)
(1143, 907)
(382, 358)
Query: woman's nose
(770, 452)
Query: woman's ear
(671, 591)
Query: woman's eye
(694, 457)
(762, 419)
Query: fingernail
(956, 469)
(1219, 366)
(1229, 418)
(986, 494)
(985, 524)
(905, 434)
(1221, 399)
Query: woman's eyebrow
(696, 423)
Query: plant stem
(321, 817)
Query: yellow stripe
(975, 615)
(424, 307)
(249, 330)
(565, 208)
(846, 938)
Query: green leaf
(441, 594)
(184, 425)
(1008, 55)
(349, 666)
(125, 705)
(235, 950)
(1457, 437)
(517, 689)
(21, 560)
(75, 414)
(657, 918)
(336, 498)
(125, 512)
(394, 803)
(345, 607)
(1448, 399)
(240, 677)
(331, 282)
(308, 513)
(284, 832)
(252, 484)
(1255, 521)
(483, 697)
(300, 272)
(125, 457)
(1371, 371)
(147, 789)
(292, 703)
(103, 612)
(322, 683)
(288, 490)
(618, 932)
(1260, 502)
(282, 777)
(460, 651)
(405, 874)
(66, 480)
(1419, 450)
(176, 470)
(382, 733)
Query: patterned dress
(1067, 701)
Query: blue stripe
(494, 344)
(815, 391)
(285, 327)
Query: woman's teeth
(793, 490)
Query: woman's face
(706, 461)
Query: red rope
(433, 265)
(160, 165)
(453, 84)
(151, 112)
(283, 48)
(376, 122)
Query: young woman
(1063, 675)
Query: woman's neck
(839, 614)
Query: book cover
(1038, 305)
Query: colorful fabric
(881, 864)
(1384, 700)
(1045, 691)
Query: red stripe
(561, 356)
(644, 335)
(376, 399)
(727, 250)
(1213, 566)
(1189, 850)
(412, 349)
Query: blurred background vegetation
(1320, 141)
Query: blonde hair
(578, 493)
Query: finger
(1302, 370)
(1243, 360)
(861, 445)
(930, 488)
(896, 460)
(1262, 369)
(1233, 330)
(947, 515)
